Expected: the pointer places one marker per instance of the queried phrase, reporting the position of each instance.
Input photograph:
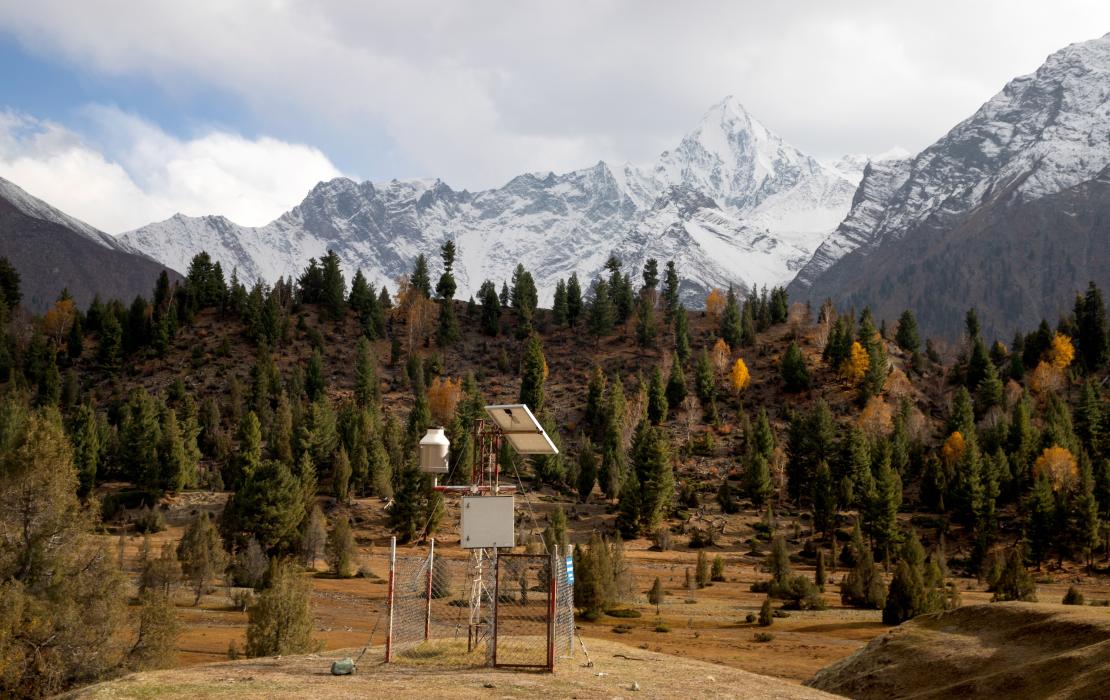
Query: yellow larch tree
(1061, 352)
(854, 368)
(953, 448)
(1059, 465)
(714, 303)
(739, 376)
(443, 398)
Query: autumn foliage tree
(1058, 465)
(854, 368)
(739, 377)
(443, 397)
(714, 304)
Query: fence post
(389, 602)
(496, 605)
(570, 595)
(428, 607)
(552, 592)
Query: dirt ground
(619, 671)
(706, 625)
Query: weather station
(520, 628)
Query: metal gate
(524, 612)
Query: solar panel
(521, 429)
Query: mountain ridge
(53, 251)
(753, 186)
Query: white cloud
(475, 93)
(149, 175)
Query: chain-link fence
(564, 602)
(489, 609)
(523, 617)
(439, 609)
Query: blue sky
(125, 113)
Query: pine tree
(989, 392)
(657, 398)
(341, 476)
(176, 470)
(793, 370)
(341, 552)
(559, 310)
(757, 480)
(587, 470)
(533, 374)
(367, 391)
(574, 299)
(705, 385)
(201, 554)
(1014, 582)
(652, 465)
(420, 280)
(824, 499)
(1086, 524)
(524, 299)
(1042, 520)
(601, 315)
(315, 383)
(681, 334)
(645, 322)
(416, 509)
(1092, 334)
(907, 336)
(334, 291)
(884, 504)
(766, 613)
(86, 448)
(656, 596)
(676, 384)
(747, 327)
(447, 325)
(491, 308)
(269, 505)
(671, 301)
(314, 537)
(594, 416)
(701, 575)
(732, 330)
(280, 622)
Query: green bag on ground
(343, 667)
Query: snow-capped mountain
(1043, 133)
(35, 208)
(733, 204)
(51, 250)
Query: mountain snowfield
(1042, 134)
(733, 203)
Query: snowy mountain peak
(732, 203)
(1041, 134)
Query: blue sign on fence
(570, 569)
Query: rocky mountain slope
(1043, 134)
(52, 250)
(733, 202)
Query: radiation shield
(487, 521)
